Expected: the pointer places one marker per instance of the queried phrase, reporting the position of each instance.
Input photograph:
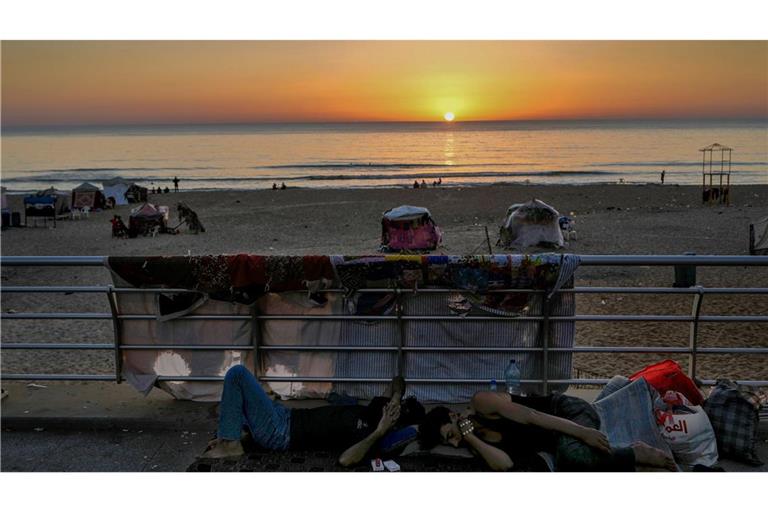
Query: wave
(395, 165)
(677, 163)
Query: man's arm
(357, 451)
(497, 459)
(494, 404)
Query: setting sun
(449, 116)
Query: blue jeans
(244, 403)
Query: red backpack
(667, 375)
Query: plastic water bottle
(493, 385)
(512, 378)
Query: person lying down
(355, 429)
(506, 430)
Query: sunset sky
(151, 82)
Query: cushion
(734, 413)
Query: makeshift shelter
(136, 194)
(531, 224)
(115, 189)
(409, 228)
(48, 204)
(758, 237)
(714, 190)
(88, 195)
(144, 219)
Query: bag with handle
(667, 375)
(686, 429)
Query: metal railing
(117, 346)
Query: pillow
(734, 414)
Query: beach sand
(610, 219)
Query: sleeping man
(356, 429)
(507, 430)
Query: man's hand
(389, 415)
(595, 439)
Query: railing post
(399, 306)
(116, 326)
(698, 298)
(545, 342)
(256, 340)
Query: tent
(409, 228)
(49, 204)
(144, 219)
(87, 195)
(531, 224)
(115, 190)
(136, 194)
(758, 237)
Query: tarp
(58, 201)
(531, 224)
(245, 284)
(87, 195)
(115, 189)
(406, 212)
(758, 237)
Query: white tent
(116, 188)
(531, 224)
(758, 237)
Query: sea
(376, 155)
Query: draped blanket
(256, 286)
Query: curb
(102, 423)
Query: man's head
(440, 426)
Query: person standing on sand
(175, 183)
(415, 184)
(663, 172)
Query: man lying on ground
(357, 428)
(504, 430)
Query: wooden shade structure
(714, 190)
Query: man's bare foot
(221, 449)
(646, 455)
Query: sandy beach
(610, 219)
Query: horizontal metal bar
(363, 318)
(183, 378)
(666, 260)
(54, 261)
(57, 346)
(56, 316)
(54, 376)
(576, 290)
(585, 260)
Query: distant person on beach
(499, 427)
(415, 184)
(358, 428)
(439, 181)
(175, 183)
(274, 186)
(423, 184)
(663, 172)
(166, 191)
(282, 186)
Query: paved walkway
(102, 426)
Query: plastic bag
(667, 375)
(687, 430)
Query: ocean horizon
(381, 154)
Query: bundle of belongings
(534, 224)
(409, 228)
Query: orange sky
(134, 82)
